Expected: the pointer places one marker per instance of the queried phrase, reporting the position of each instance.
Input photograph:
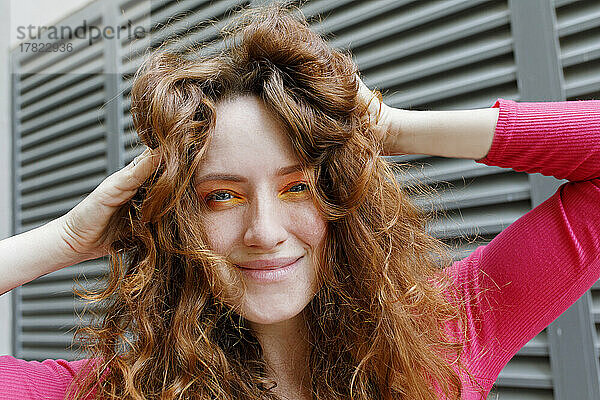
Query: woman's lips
(272, 263)
(268, 274)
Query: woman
(270, 253)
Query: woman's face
(260, 213)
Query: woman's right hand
(82, 227)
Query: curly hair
(378, 325)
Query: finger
(140, 169)
(121, 186)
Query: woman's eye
(219, 196)
(298, 187)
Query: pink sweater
(523, 280)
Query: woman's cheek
(222, 231)
(307, 224)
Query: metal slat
(526, 372)
(89, 269)
(91, 56)
(143, 9)
(64, 143)
(44, 354)
(50, 62)
(499, 189)
(461, 83)
(437, 63)
(69, 109)
(354, 15)
(394, 24)
(437, 169)
(56, 177)
(78, 187)
(317, 7)
(41, 135)
(586, 20)
(488, 220)
(54, 100)
(42, 307)
(60, 82)
(53, 210)
(436, 36)
(581, 55)
(48, 339)
(65, 158)
(52, 322)
(177, 27)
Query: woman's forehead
(246, 135)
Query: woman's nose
(265, 227)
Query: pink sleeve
(48, 380)
(542, 263)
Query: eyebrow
(236, 178)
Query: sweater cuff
(506, 118)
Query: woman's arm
(458, 134)
(532, 271)
(77, 235)
(34, 253)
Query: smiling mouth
(261, 269)
(268, 268)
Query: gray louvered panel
(361, 11)
(578, 25)
(491, 219)
(560, 3)
(56, 99)
(85, 119)
(88, 59)
(208, 36)
(73, 107)
(137, 11)
(477, 78)
(390, 24)
(47, 339)
(52, 210)
(44, 354)
(439, 63)
(64, 143)
(78, 187)
(52, 323)
(197, 22)
(89, 269)
(526, 372)
(62, 81)
(65, 158)
(438, 35)
(44, 68)
(52, 178)
(130, 138)
(497, 189)
(434, 169)
(57, 306)
(538, 346)
(319, 7)
(480, 99)
(55, 288)
(582, 19)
